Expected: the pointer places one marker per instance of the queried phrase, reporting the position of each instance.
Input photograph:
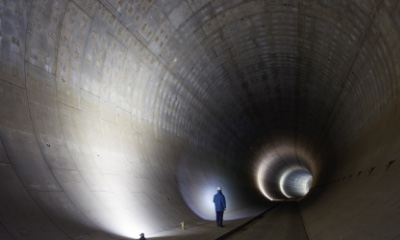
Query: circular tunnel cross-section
(122, 117)
(285, 170)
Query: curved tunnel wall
(136, 109)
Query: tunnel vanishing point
(119, 117)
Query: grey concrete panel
(3, 154)
(76, 135)
(180, 14)
(114, 91)
(64, 213)
(14, 18)
(93, 63)
(32, 168)
(4, 234)
(90, 7)
(14, 107)
(43, 34)
(16, 133)
(20, 216)
(75, 186)
(361, 192)
(43, 105)
(69, 67)
(167, 6)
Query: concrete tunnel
(121, 117)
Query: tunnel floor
(202, 230)
(281, 222)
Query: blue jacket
(219, 201)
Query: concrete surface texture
(119, 117)
(281, 223)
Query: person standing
(142, 237)
(220, 206)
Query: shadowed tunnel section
(121, 117)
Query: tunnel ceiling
(260, 67)
(134, 88)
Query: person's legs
(219, 218)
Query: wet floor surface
(282, 222)
(202, 231)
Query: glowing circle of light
(303, 179)
(282, 182)
(262, 175)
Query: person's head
(219, 189)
